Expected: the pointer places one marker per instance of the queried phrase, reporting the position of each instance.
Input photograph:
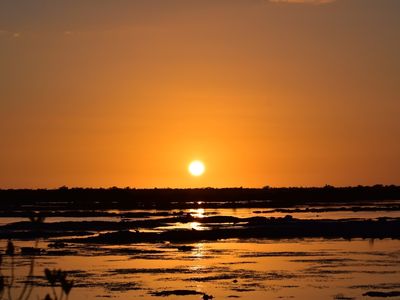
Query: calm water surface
(252, 269)
(227, 269)
(238, 212)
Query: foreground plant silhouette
(58, 276)
(53, 277)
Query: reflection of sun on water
(198, 266)
(198, 252)
(197, 213)
(196, 226)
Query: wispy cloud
(7, 33)
(314, 2)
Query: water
(226, 269)
(301, 213)
(251, 269)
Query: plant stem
(12, 278)
(28, 285)
(54, 292)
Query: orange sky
(127, 93)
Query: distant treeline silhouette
(167, 198)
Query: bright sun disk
(196, 168)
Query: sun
(196, 168)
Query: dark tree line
(131, 198)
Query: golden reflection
(198, 252)
(196, 226)
(197, 213)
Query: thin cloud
(6, 33)
(314, 2)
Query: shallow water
(251, 269)
(304, 214)
(226, 269)
(298, 213)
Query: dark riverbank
(260, 228)
(213, 228)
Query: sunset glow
(126, 93)
(199, 149)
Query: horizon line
(190, 188)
